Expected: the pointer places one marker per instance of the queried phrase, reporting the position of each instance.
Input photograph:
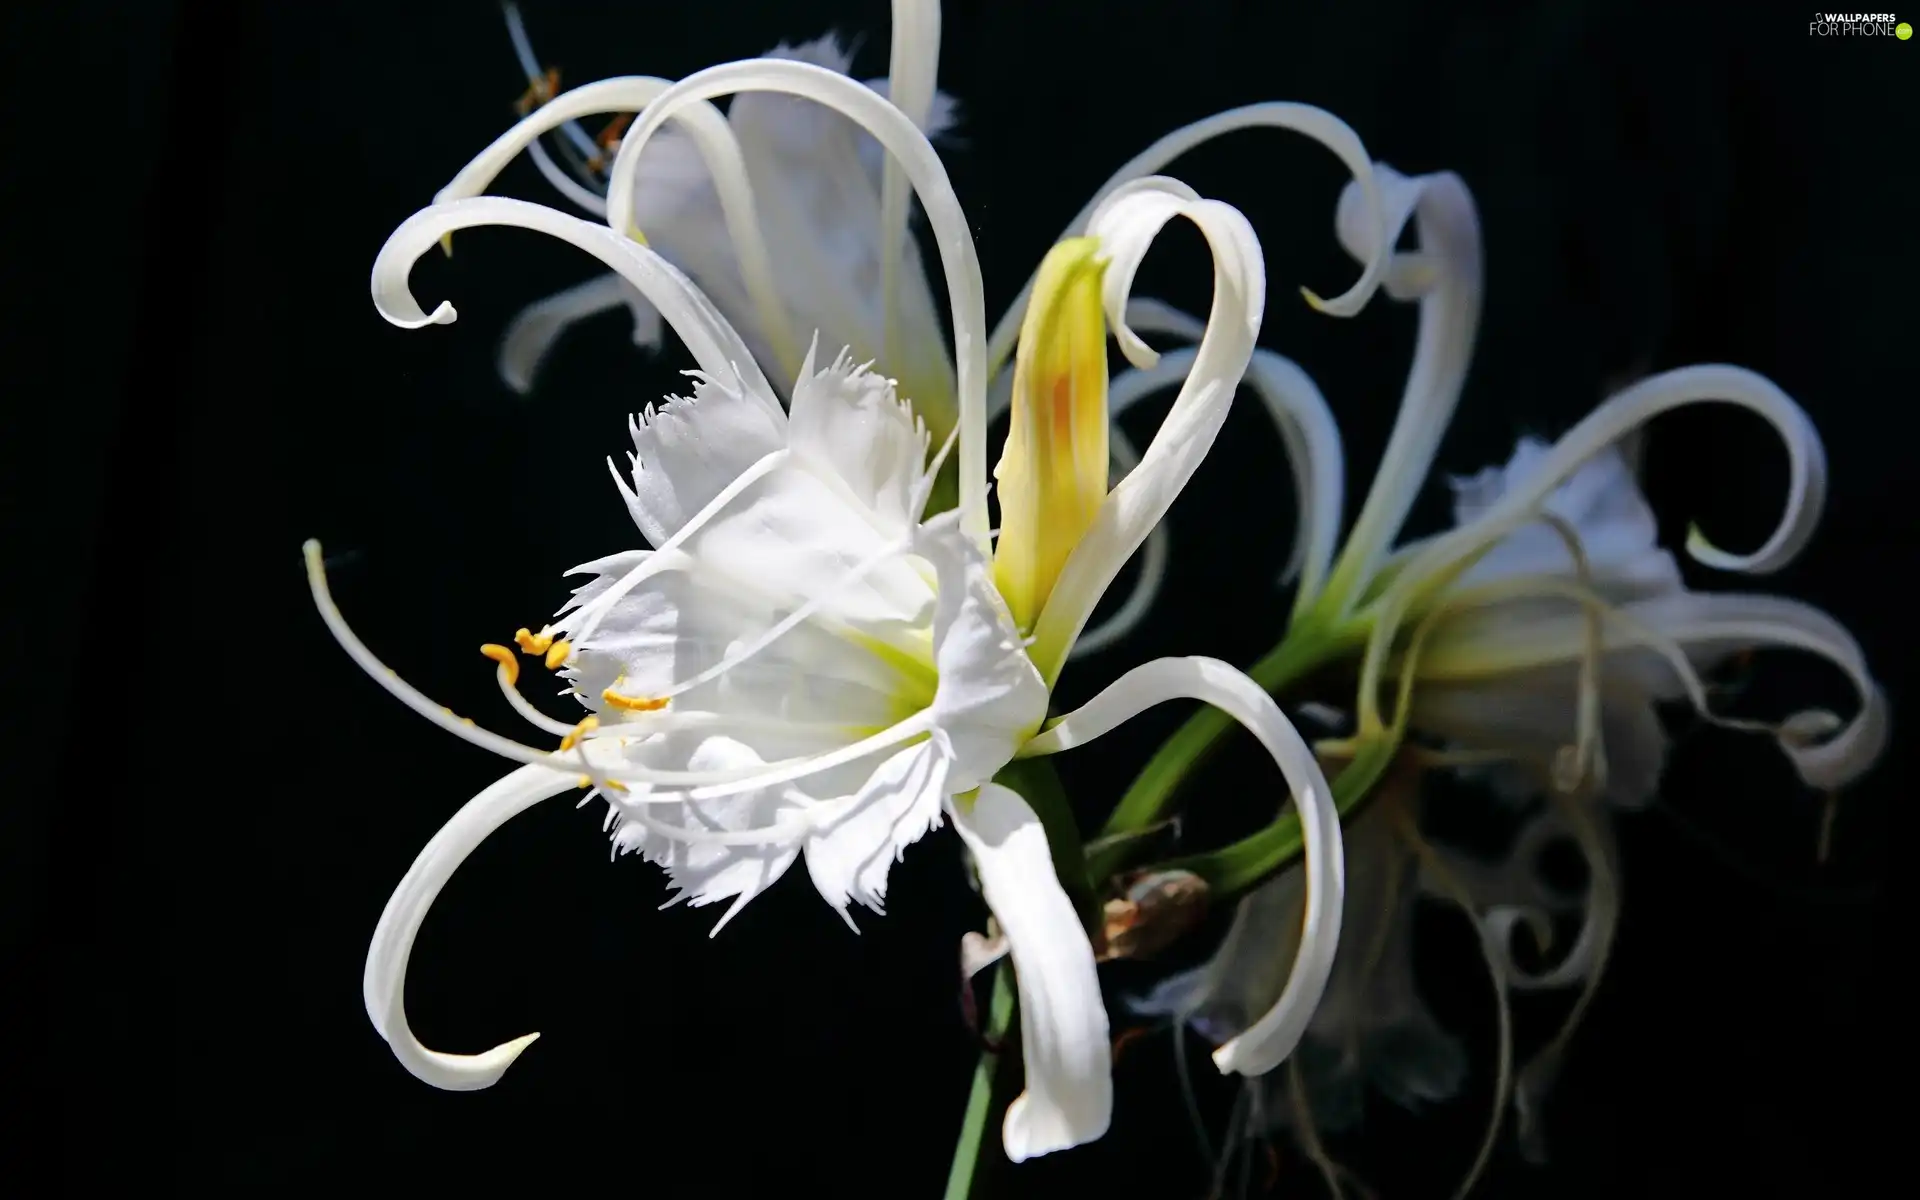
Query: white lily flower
(763, 208)
(781, 211)
(803, 667)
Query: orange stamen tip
(633, 703)
(531, 642)
(557, 654)
(503, 656)
(586, 726)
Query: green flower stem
(966, 1156)
(1233, 869)
(1309, 645)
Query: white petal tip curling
(463, 1072)
(1030, 1131)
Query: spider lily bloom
(1540, 631)
(803, 667)
(779, 210)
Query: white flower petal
(715, 346)
(386, 977)
(1269, 1039)
(850, 421)
(909, 146)
(1068, 1099)
(534, 330)
(1448, 286)
(1317, 124)
(991, 698)
(704, 163)
(687, 451)
(703, 872)
(1603, 505)
(849, 856)
(1826, 752)
(1125, 226)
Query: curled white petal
(1153, 563)
(534, 330)
(1068, 1099)
(1622, 416)
(917, 158)
(707, 129)
(1440, 558)
(1317, 124)
(714, 344)
(384, 987)
(1125, 227)
(1266, 1043)
(1447, 282)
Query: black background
(209, 804)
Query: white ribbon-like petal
(714, 344)
(384, 988)
(1619, 418)
(1068, 1099)
(912, 69)
(1317, 124)
(1266, 1043)
(1314, 456)
(706, 129)
(916, 156)
(1125, 226)
(1445, 274)
(535, 329)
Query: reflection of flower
(1371, 1026)
(805, 665)
(1534, 639)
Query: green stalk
(1233, 869)
(1309, 645)
(966, 1156)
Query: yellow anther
(557, 654)
(633, 703)
(615, 785)
(505, 658)
(531, 642)
(585, 727)
(538, 92)
(585, 781)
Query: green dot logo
(1903, 31)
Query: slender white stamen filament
(569, 187)
(921, 164)
(506, 747)
(913, 727)
(525, 708)
(530, 66)
(1271, 1038)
